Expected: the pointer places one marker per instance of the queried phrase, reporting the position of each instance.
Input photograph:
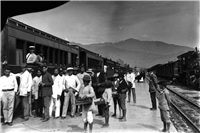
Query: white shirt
(80, 77)
(26, 83)
(98, 74)
(35, 87)
(57, 85)
(8, 83)
(71, 81)
(31, 58)
(131, 78)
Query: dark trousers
(115, 101)
(133, 93)
(153, 99)
(100, 107)
(46, 103)
(39, 106)
(25, 105)
(106, 113)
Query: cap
(115, 75)
(31, 47)
(86, 78)
(89, 71)
(69, 68)
(44, 65)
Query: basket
(99, 101)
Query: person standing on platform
(164, 105)
(8, 88)
(31, 57)
(121, 90)
(152, 81)
(72, 86)
(57, 91)
(25, 85)
(130, 78)
(115, 95)
(87, 92)
(46, 91)
(35, 91)
(107, 96)
(99, 86)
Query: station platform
(139, 119)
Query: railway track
(189, 110)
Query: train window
(73, 59)
(61, 57)
(66, 58)
(38, 49)
(51, 55)
(56, 55)
(46, 53)
(20, 54)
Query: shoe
(152, 109)
(97, 115)
(105, 125)
(63, 117)
(10, 123)
(114, 115)
(123, 119)
(72, 115)
(4, 123)
(46, 119)
(26, 119)
(163, 130)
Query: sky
(112, 21)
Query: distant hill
(138, 53)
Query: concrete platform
(139, 119)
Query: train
(16, 37)
(185, 69)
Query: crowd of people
(67, 85)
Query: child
(107, 96)
(164, 105)
(87, 92)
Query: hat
(60, 69)
(89, 71)
(69, 68)
(115, 75)
(163, 83)
(108, 84)
(44, 65)
(31, 47)
(86, 78)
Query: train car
(17, 37)
(87, 58)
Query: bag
(99, 101)
(80, 101)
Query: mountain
(138, 53)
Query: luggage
(80, 101)
(99, 101)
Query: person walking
(57, 91)
(152, 81)
(46, 91)
(8, 89)
(121, 90)
(72, 86)
(25, 85)
(87, 92)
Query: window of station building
(20, 54)
(51, 56)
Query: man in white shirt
(26, 83)
(8, 88)
(57, 91)
(72, 86)
(130, 78)
(31, 57)
(35, 90)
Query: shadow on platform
(75, 128)
(149, 127)
(141, 106)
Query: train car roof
(86, 50)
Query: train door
(82, 58)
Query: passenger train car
(16, 37)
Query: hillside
(138, 53)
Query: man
(35, 90)
(130, 78)
(121, 90)
(46, 91)
(8, 88)
(72, 86)
(40, 58)
(152, 81)
(57, 91)
(26, 83)
(75, 72)
(99, 85)
(31, 57)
